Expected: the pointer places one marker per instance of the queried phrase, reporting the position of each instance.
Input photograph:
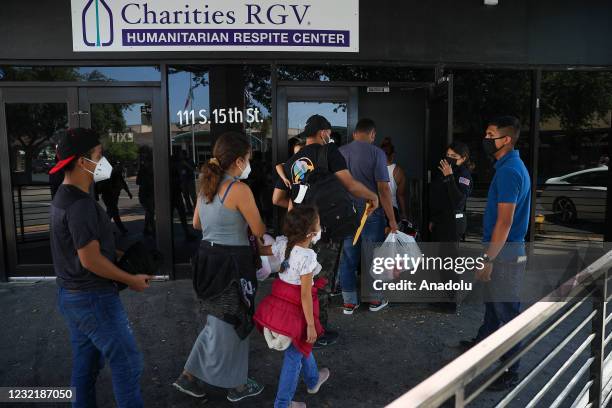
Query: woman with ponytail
(224, 273)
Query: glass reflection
(33, 131)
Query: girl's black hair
(462, 150)
(299, 222)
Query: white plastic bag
(396, 243)
(269, 264)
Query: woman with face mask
(224, 273)
(449, 192)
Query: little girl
(291, 311)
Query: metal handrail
(530, 345)
(452, 379)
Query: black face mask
(451, 160)
(489, 147)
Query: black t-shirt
(304, 161)
(76, 220)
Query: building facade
(426, 72)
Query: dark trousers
(99, 331)
(446, 238)
(503, 305)
(327, 255)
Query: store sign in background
(217, 25)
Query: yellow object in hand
(364, 217)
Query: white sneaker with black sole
(377, 307)
(349, 308)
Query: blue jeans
(99, 331)
(504, 287)
(293, 363)
(350, 262)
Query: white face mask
(102, 171)
(245, 172)
(317, 237)
(328, 140)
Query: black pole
(534, 146)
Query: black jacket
(448, 195)
(225, 281)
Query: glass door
(136, 196)
(30, 122)
(297, 103)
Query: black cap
(314, 124)
(73, 144)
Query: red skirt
(281, 312)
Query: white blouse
(302, 261)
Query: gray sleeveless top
(221, 225)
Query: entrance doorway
(128, 120)
(415, 116)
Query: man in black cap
(83, 249)
(317, 133)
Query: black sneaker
(250, 389)
(327, 339)
(194, 387)
(505, 381)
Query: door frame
(161, 152)
(306, 92)
(24, 95)
(341, 91)
(90, 92)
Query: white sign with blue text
(215, 25)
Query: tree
(33, 127)
(576, 98)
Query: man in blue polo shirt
(505, 224)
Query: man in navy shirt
(505, 224)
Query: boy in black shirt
(83, 249)
(317, 133)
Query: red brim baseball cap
(61, 164)
(73, 144)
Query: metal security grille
(582, 334)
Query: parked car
(579, 195)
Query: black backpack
(339, 218)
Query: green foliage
(576, 98)
(108, 117)
(123, 152)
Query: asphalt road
(379, 356)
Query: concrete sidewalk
(378, 357)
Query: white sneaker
(323, 376)
(376, 307)
(295, 404)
